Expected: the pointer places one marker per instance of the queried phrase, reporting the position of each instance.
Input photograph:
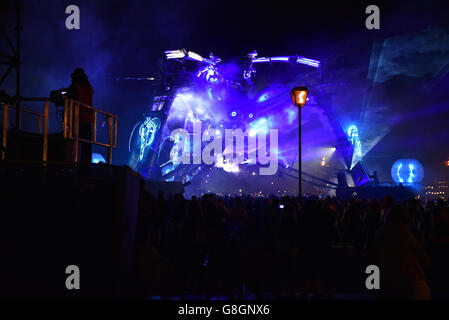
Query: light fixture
(299, 96)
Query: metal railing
(40, 116)
(70, 126)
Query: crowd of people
(283, 246)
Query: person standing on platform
(82, 91)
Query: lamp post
(299, 97)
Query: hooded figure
(81, 91)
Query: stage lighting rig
(249, 73)
(289, 59)
(183, 54)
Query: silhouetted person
(375, 178)
(400, 258)
(82, 91)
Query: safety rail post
(45, 148)
(95, 126)
(5, 130)
(71, 119)
(110, 141)
(115, 132)
(77, 109)
(64, 121)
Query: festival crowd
(287, 248)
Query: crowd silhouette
(284, 248)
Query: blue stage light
(398, 173)
(411, 175)
(353, 137)
(175, 54)
(263, 97)
(407, 171)
(261, 125)
(309, 62)
(297, 59)
(233, 113)
(250, 115)
(97, 158)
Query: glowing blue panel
(407, 171)
(263, 97)
(147, 133)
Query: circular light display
(407, 171)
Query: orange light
(446, 163)
(323, 161)
(299, 96)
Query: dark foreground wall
(58, 216)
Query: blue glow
(261, 125)
(398, 173)
(282, 59)
(250, 115)
(147, 133)
(291, 114)
(174, 153)
(263, 97)
(97, 158)
(309, 62)
(411, 175)
(407, 170)
(210, 74)
(209, 94)
(353, 137)
(194, 56)
(233, 113)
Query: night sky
(126, 38)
